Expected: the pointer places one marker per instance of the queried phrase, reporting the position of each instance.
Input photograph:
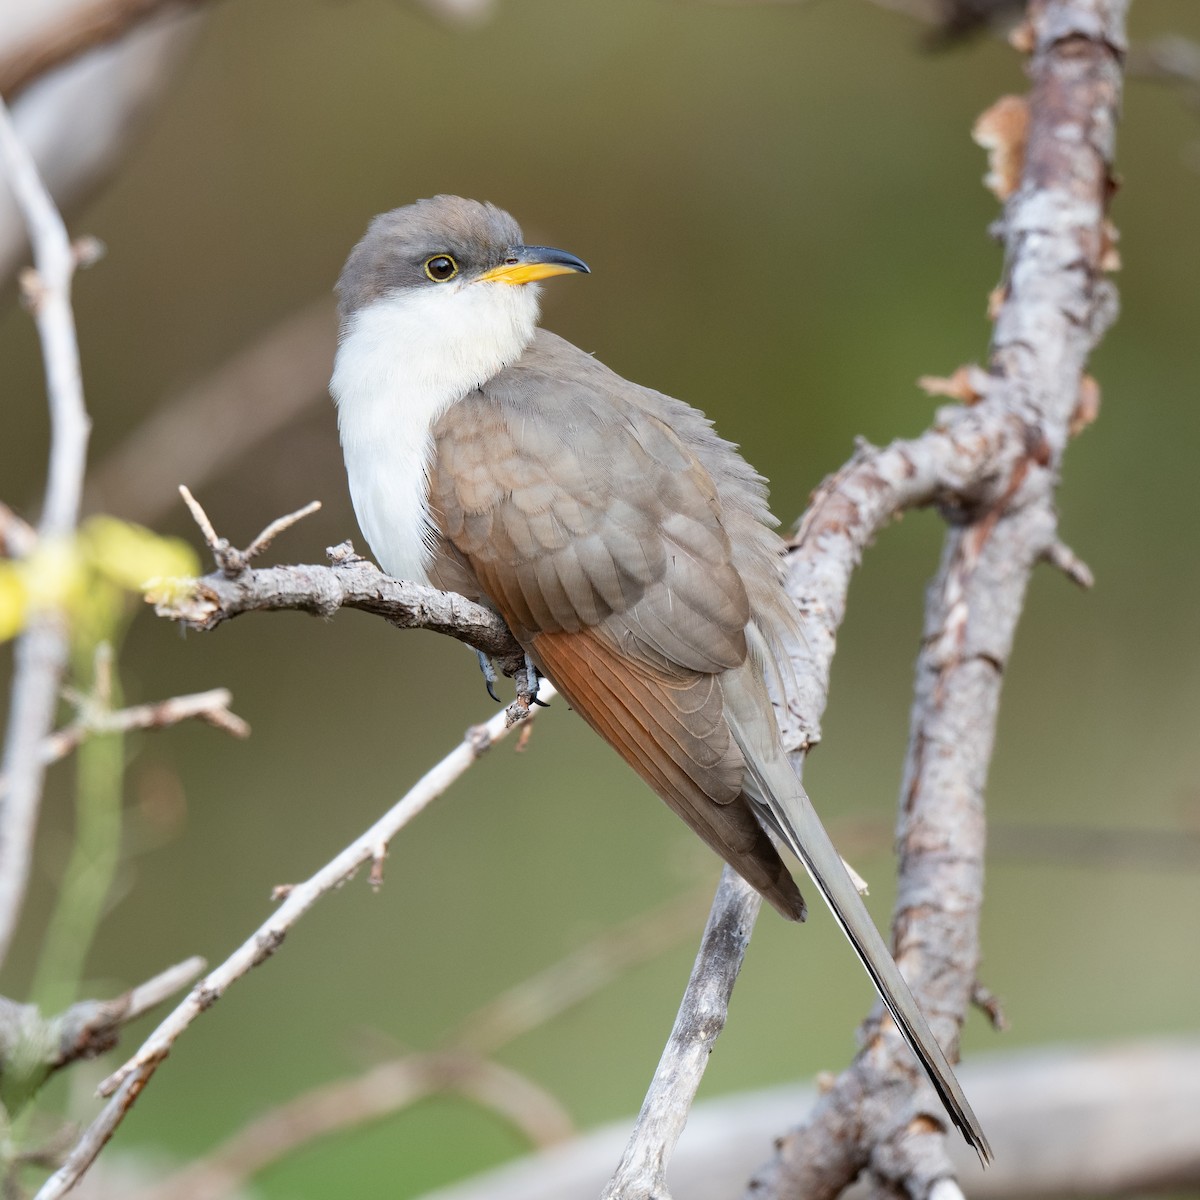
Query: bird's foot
(489, 674)
(533, 679)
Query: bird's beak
(528, 264)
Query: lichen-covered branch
(1053, 306)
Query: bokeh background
(782, 209)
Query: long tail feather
(774, 785)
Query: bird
(628, 547)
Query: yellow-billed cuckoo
(627, 546)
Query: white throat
(401, 362)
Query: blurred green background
(782, 209)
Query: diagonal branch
(125, 1084)
(462, 1064)
(90, 24)
(87, 1029)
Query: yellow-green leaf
(130, 555)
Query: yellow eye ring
(440, 267)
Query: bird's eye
(441, 267)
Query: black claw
(533, 677)
(489, 674)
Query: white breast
(402, 361)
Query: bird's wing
(575, 506)
(599, 539)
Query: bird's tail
(773, 785)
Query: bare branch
(232, 561)
(1056, 304)
(350, 582)
(280, 525)
(211, 707)
(124, 1084)
(543, 996)
(87, 1029)
(41, 650)
(91, 24)
(989, 1004)
(1059, 554)
(215, 543)
(94, 1138)
(1099, 1120)
(641, 1172)
(348, 1104)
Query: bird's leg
(533, 677)
(489, 674)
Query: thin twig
(85, 1030)
(41, 651)
(211, 707)
(989, 1004)
(90, 1027)
(202, 520)
(93, 1139)
(126, 1082)
(263, 541)
(154, 991)
(232, 561)
(538, 999)
(1059, 554)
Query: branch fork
(349, 581)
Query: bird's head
(448, 281)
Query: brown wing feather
(688, 757)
